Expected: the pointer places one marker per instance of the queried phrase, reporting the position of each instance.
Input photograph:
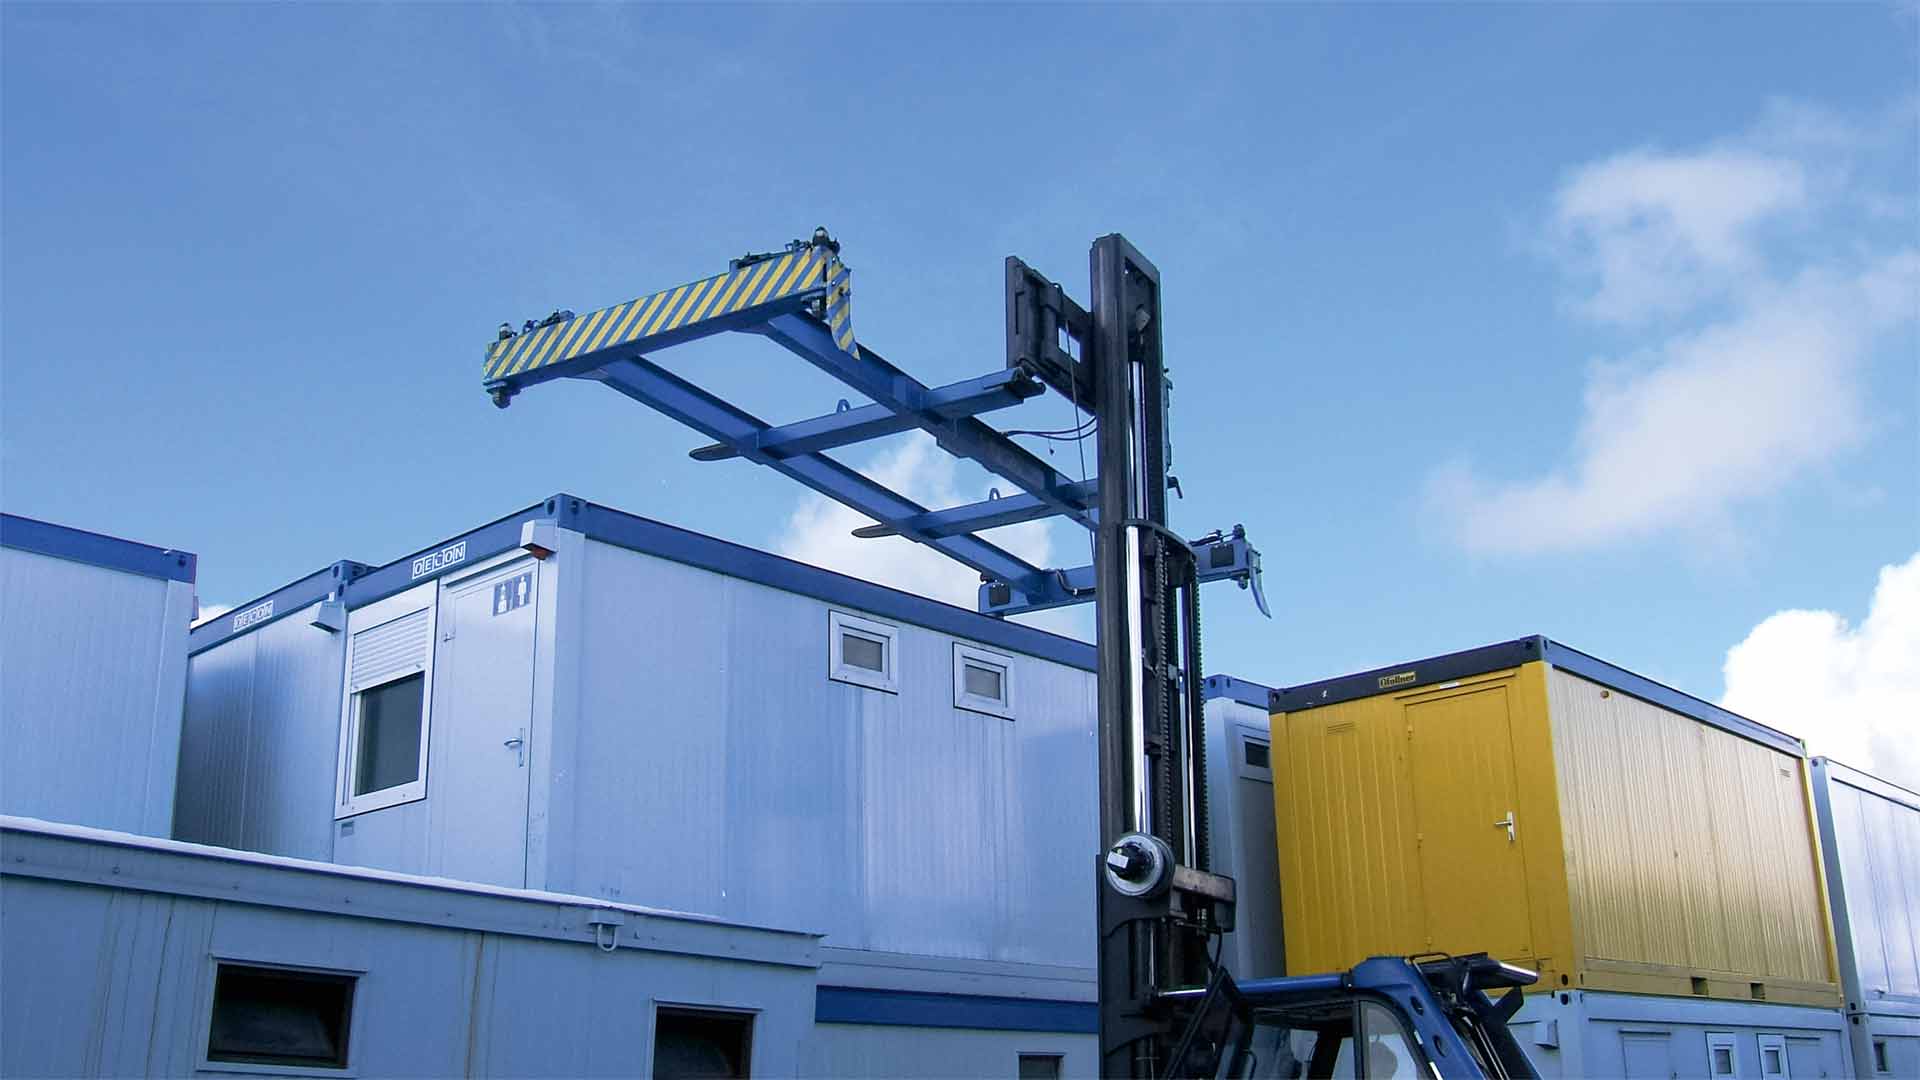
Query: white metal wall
(258, 743)
(1240, 811)
(94, 663)
(710, 765)
(452, 983)
(1579, 1034)
(1871, 834)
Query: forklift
(1167, 1007)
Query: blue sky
(1596, 321)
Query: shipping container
(575, 699)
(93, 646)
(1528, 800)
(1239, 760)
(153, 957)
(1870, 834)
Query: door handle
(1507, 824)
(518, 744)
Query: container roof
(1842, 773)
(1400, 678)
(356, 584)
(96, 549)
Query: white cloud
(1755, 375)
(1662, 232)
(1852, 692)
(210, 612)
(820, 532)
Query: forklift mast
(1159, 902)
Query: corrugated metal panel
(1386, 809)
(1349, 864)
(1586, 1034)
(714, 767)
(1877, 842)
(259, 741)
(1689, 853)
(95, 669)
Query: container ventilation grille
(391, 649)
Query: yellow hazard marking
(606, 329)
(736, 280)
(541, 338)
(582, 326)
(693, 301)
(797, 276)
(654, 321)
(557, 331)
(750, 281)
(637, 319)
(515, 351)
(771, 285)
(706, 306)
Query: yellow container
(1532, 802)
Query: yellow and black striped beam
(766, 286)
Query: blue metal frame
(1237, 689)
(799, 299)
(359, 585)
(912, 1008)
(96, 549)
(289, 599)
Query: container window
(387, 753)
(1880, 1056)
(862, 652)
(1258, 755)
(704, 1043)
(276, 1016)
(384, 722)
(982, 681)
(1723, 1054)
(1039, 1067)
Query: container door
(483, 715)
(1460, 755)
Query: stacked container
(1654, 856)
(1870, 830)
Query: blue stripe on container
(911, 1008)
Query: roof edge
(96, 549)
(1401, 678)
(359, 584)
(1842, 773)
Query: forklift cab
(1388, 1018)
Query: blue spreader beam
(800, 300)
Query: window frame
(750, 1014)
(359, 621)
(963, 654)
(1728, 1041)
(203, 1037)
(1242, 739)
(1058, 1057)
(841, 623)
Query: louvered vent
(394, 648)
